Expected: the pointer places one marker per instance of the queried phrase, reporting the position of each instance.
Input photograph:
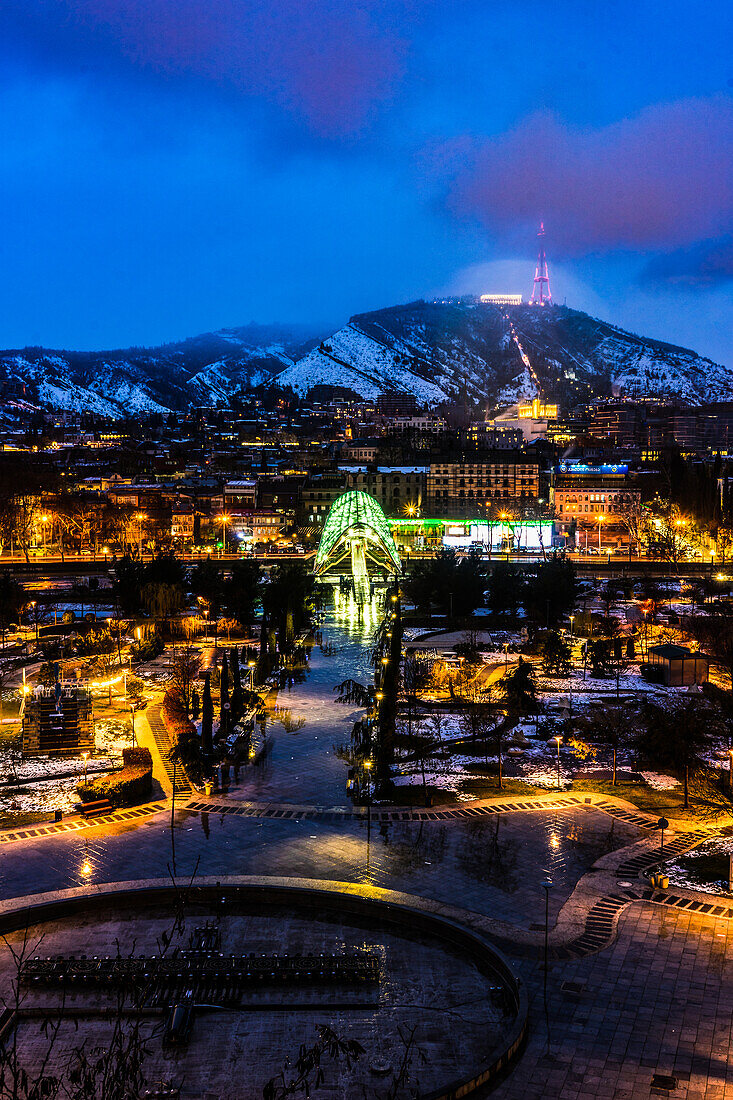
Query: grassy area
(17, 820)
(660, 803)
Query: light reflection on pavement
(492, 866)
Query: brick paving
(658, 1000)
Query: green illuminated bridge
(357, 532)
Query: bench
(94, 809)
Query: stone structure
(58, 720)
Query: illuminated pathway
(638, 984)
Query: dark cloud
(660, 180)
(708, 264)
(324, 62)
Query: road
(593, 565)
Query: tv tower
(541, 295)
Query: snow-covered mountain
(440, 351)
(443, 350)
(205, 370)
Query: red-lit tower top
(541, 295)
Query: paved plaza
(639, 992)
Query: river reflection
(300, 765)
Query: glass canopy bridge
(356, 539)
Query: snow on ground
(57, 794)
(660, 782)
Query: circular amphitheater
(221, 983)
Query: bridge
(356, 532)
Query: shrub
(653, 674)
(137, 755)
(132, 784)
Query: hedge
(138, 755)
(124, 788)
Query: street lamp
(132, 717)
(224, 519)
(251, 665)
(600, 521)
(140, 516)
(662, 824)
(367, 769)
(547, 886)
(572, 617)
(44, 523)
(558, 742)
(85, 756)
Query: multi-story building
(476, 486)
(360, 450)
(400, 490)
(432, 425)
(488, 435)
(183, 523)
(595, 500)
(318, 495)
(240, 494)
(396, 404)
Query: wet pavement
(301, 764)
(495, 866)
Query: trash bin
(58, 814)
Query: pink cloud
(326, 62)
(660, 180)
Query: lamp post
(132, 718)
(572, 617)
(367, 769)
(44, 523)
(85, 757)
(662, 824)
(251, 665)
(600, 521)
(558, 742)
(546, 886)
(224, 519)
(140, 516)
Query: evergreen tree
(556, 655)
(207, 717)
(224, 697)
(234, 669)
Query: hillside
(440, 351)
(209, 369)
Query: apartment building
(458, 488)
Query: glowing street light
(224, 519)
(558, 742)
(85, 756)
(367, 769)
(601, 518)
(140, 516)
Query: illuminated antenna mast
(541, 295)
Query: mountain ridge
(440, 350)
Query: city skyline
(173, 169)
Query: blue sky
(174, 166)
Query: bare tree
(185, 665)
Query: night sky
(174, 166)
